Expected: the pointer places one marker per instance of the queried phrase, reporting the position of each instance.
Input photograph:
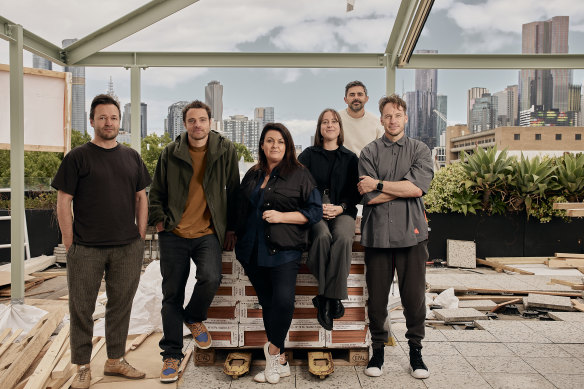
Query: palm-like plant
(570, 174)
(488, 173)
(533, 177)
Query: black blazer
(344, 176)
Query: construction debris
(559, 303)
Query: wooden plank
(562, 262)
(5, 333)
(518, 260)
(63, 366)
(578, 305)
(43, 370)
(9, 341)
(35, 264)
(184, 362)
(575, 212)
(523, 292)
(496, 265)
(569, 255)
(139, 340)
(501, 305)
(19, 366)
(563, 282)
(97, 347)
(568, 206)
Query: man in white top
(361, 127)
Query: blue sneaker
(200, 334)
(169, 371)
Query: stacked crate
(235, 316)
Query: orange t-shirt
(196, 218)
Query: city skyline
(297, 94)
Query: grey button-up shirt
(401, 222)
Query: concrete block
(567, 316)
(480, 305)
(458, 315)
(559, 303)
(461, 253)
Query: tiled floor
(506, 354)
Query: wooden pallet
(295, 356)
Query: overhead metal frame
(410, 21)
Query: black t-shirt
(103, 183)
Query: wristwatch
(344, 206)
(380, 185)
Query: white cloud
(301, 130)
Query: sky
(297, 95)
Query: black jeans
(275, 288)
(410, 263)
(175, 262)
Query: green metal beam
(495, 61)
(401, 24)
(125, 26)
(16, 163)
(416, 27)
(136, 109)
(236, 59)
(33, 43)
(390, 76)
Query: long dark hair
(289, 161)
(318, 140)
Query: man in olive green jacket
(192, 200)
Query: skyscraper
(174, 120)
(473, 93)
(483, 115)
(508, 110)
(547, 88)
(441, 115)
(421, 105)
(78, 114)
(240, 129)
(39, 62)
(127, 118)
(214, 99)
(264, 115)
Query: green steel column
(16, 165)
(135, 101)
(389, 79)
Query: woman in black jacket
(278, 204)
(335, 170)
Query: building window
(516, 136)
(578, 136)
(537, 136)
(558, 136)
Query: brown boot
(121, 367)
(82, 378)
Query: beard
(105, 135)
(356, 107)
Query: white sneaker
(271, 373)
(283, 370)
(374, 371)
(375, 365)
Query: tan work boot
(82, 378)
(121, 367)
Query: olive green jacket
(170, 184)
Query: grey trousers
(410, 263)
(329, 256)
(86, 266)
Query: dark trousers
(275, 288)
(329, 256)
(86, 266)
(410, 263)
(175, 263)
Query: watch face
(380, 186)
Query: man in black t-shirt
(105, 182)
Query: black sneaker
(419, 369)
(375, 365)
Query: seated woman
(278, 204)
(335, 170)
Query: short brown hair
(103, 99)
(318, 140)
(393, 99)
(196, 104)
(353, 84)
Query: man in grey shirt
(395, 171)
